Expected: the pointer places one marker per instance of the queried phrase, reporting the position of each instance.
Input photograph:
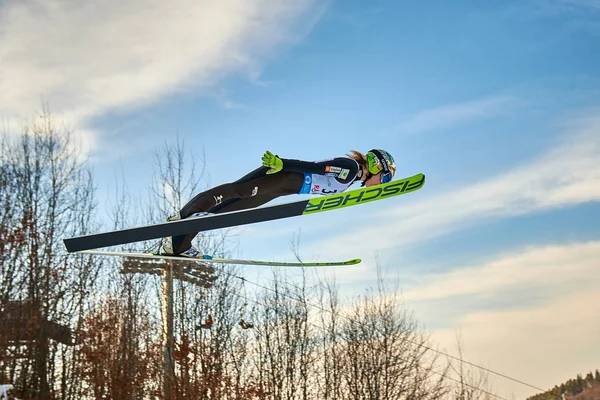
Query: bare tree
(330, 384)
(200, 359)
(285, 345)
(49, 196)
(471, 383)
(120, 357)
(385, 351)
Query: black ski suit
(258, 188)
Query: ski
(250, 216)
(210, 259)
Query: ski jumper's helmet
(381, 161)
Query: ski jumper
(257, 188)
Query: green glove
(272, 161)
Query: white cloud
(541, 345)
(454, 114)
(228, 104)
(556, 267)
(85, 59)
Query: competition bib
(322, 184)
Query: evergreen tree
(589, 378)
(571, 387)
(579, 386)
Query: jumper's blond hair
(359, 157)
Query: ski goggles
(386, 177)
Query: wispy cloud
(541, 343)
(363, 17)
(566, 175)
(567, 16)
(228, 104)
(451, 115)
(572, 5)
(551, 267)
(87, 59)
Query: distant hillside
(588, 394)
(580, 388)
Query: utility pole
(168, 364)
(189, 271)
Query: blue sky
(496, 102)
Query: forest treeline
(578, 388)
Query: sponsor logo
(218, 199)
(365, 195)
(337, 172)
(254, 191)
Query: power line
(443, 375)
(408, 340)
